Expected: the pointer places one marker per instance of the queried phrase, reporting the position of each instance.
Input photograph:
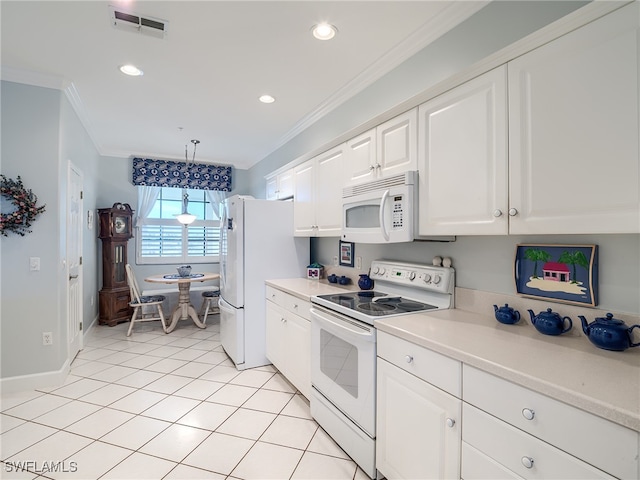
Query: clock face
(120, 224)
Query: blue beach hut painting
(562, 273)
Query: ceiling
(203, 79)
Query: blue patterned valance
(166, 173)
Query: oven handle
(368, 333)
(383, 202)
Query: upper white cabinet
(573, 131)
(463, 150)
(572, 163)
(386, 150)
(318, 186)
(280, 186)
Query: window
(161, 239)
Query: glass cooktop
(376, 303)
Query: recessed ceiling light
(324, 31)
(131, 70)
(267, 99)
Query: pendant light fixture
(185, 217)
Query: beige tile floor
(156, 406)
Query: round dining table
(184, 309)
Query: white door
(361, 158)
(329, 182)
(419, 433)
(74, 261)
(463, 186)
(397, 144)
(232, 331)
(343, 359)
(232, 252)
(574, 131)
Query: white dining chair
(209, 303)
(139, 301)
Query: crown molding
(35, 79)
(447, 19)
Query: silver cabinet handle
(528, 413)
(450, 422)
(408, 358)
(71, 277)
(371, 167)
(527, 462)
(497, 213)
(513, 212)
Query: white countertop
(568, 367)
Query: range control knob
(427, 278)
(412, 275)
(436, 279)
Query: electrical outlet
(358, 264)
(34, 264)
(335, 261)
(92, 300)
(47, 338)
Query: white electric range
(343, 348)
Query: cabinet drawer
(289, 302)
(606, 445)
(432, 367)
(513, 448)
(477, 466)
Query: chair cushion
(151, 298)
(211, 293)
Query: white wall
(40, 133)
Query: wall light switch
(34, 264)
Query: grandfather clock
(115, 232)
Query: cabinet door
(573, 131)
(463, 159)
(397, 144)
(285, 184)
(304, 218)
(298, 348)
(275, 341)
(413, 437)
(329, 178)
(360, 158)
(272, 188)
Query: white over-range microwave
(383, 211)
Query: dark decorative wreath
(19, 220)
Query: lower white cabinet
(536, 436)
(288, 337)
(418, 425)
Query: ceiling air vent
(133, 22)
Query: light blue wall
(40, 134)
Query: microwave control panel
(397, 212)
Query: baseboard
(35, 381)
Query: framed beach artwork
(562, 273)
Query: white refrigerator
(256, 244)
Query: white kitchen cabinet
(417, 424)
(462, 144)
(318, 184)
(280, 186)
(562, 441)
(574, 131)
(288, 337)
(389, 149)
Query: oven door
(343, 365)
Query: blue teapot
(609, 333)
(365, 282)
(344, 280)
(506, 314)
(333, 278)
(550, 323)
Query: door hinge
(81, 194)
(80, 260)
(80, 326)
